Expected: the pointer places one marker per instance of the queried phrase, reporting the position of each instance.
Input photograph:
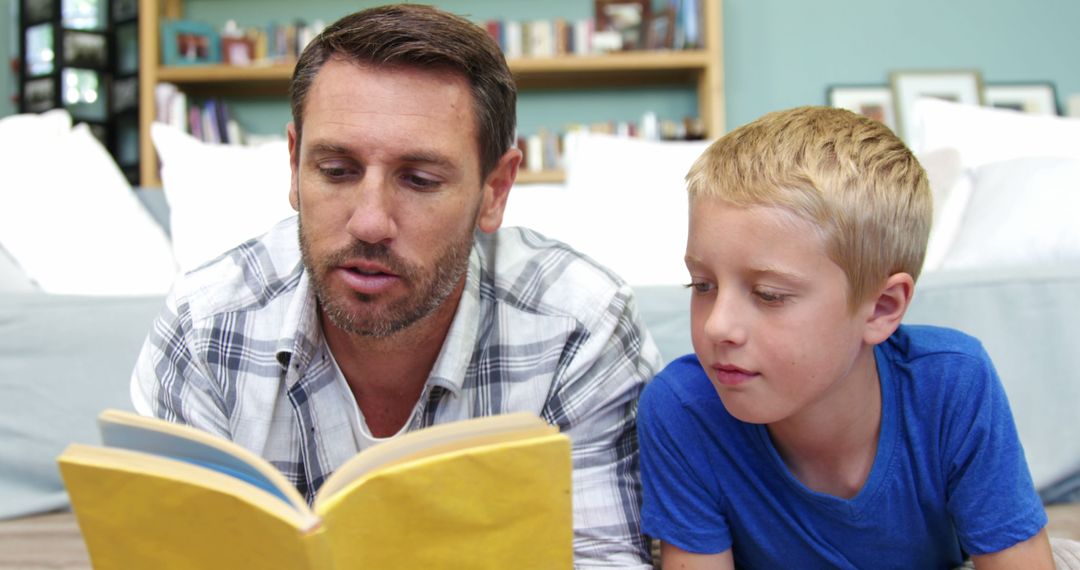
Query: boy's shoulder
(913, 342)
(937, 364)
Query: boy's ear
(889, 307)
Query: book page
(433, 440)
(151, 435)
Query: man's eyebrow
(418, 157)
(423, 157)
(328, 148)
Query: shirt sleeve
(991, 496)
(595, 403)
(678, 506)
(169, 381)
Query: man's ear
(294, 166)
(496, 190)
(889, 307)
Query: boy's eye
(771, 297)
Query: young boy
(811, 429)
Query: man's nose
(372, 217)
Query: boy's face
(770, 318)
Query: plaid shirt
(239, 352)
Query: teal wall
(784, 53)
(8, 26)
(777, 53)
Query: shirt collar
(300, 335)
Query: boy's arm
(674, 558)
(1034, 553)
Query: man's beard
(428, 289)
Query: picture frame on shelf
(660, 32)
(185, 42)
(1034, 98)
(874, 101)
(956, 85)
(630, 18)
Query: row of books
(188, 42)
(274, 42)
(616, 27)
(209, 121)
(543, 150)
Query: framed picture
(86, 50)
(661, 30)
(874, 101)
(124, 9)
(39, 95)
(629, 18)
(186, 42)
(39, 10)
(1034, 98)
(959, 86)
(125, 94)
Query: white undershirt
(361, 434)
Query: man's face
(388, 185)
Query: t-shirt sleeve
(678, 505)
(991, 496)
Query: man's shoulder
(535, 273)
(247, 277)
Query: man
(403, 304)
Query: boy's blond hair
(847, 174)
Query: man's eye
(419, 182)
(334, 172)
(699, 287)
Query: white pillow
(219, 195)
(69, 217)
(625, 205)
(1020, 212)
(983, 134)
(944, 171)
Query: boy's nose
(724, 324)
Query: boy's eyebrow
(778, 272)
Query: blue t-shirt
(949, 477)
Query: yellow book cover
(491, 492)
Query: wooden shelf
(702, 68)
(637, 67)
(542, 176)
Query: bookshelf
(701, 68)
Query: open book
(490, 492)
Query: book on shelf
(490, 492)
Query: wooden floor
(53, 542)
(45, 541)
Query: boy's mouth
(729, 375)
